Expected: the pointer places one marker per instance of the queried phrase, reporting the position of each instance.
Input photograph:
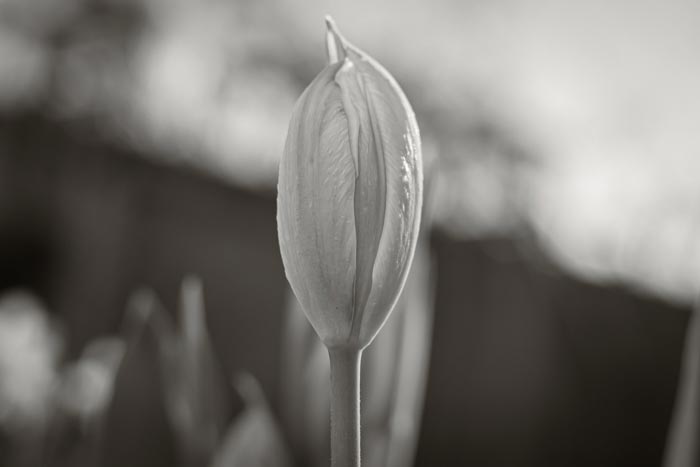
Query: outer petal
(315, 209)
(398, 142)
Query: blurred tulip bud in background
(350, 195)
(197, 394)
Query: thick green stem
(345, 407)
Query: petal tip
(335, 42)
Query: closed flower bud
(350, 195)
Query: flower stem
(345, 406)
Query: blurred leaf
(136, 431)
(197, 395)
(182, 374)
(254, 439)
(683, 444)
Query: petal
(399, 140)
(315, 208)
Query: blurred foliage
(533, 120)
(157, 395)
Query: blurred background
(139, 144)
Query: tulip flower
(348, 214)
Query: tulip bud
(349, 196)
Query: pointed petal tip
(332, 29)
(335, 42)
